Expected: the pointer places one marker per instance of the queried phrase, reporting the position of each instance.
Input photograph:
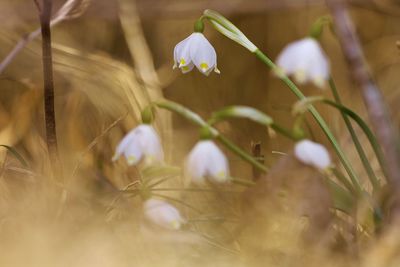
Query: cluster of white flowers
(304, 59)
(205, 160)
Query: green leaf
(342, 199)
(16, 155)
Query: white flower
(163, 214)
(306, 60)
(197, 51)
(206, 159)
(313, 154)
(141, 142)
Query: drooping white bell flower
(306, 60)
(312, 154)
(207, 160)
(141, 142)
(197, 51)
(163, 214)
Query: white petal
(206, 159)
(302, 61)
(133, 152)
(123, 144)
(216, 70)
(150, 143)
(163, 214)
(187, 68)
(319, 70)
(181, 52)
(196, 163)
(286, 59)
(313, 154)
(142, 140)
(217, 167)
(202, 53)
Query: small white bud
(312, 154)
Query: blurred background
(113, 60)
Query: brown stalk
(377, 110)
(49, 113)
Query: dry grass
(109, 65)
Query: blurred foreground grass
(108, 65)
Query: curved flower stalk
(313, 154)
(306, 61)
(254, 115)
(141, 142)
(163, 214)
(225, 27)
(241, 112)
(197, 51)
(318, 26)
(207, 160)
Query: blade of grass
(16, 155)
(370, 172)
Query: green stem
(285, 132)
(371, 175)
(183, 111)
(196, 119)
(346, 164)
(344, 180)
(243, 155)
(252, 114)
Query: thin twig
(17, 48)
(38, 5)
(377, 110)
(71, 9)
(94, 142)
